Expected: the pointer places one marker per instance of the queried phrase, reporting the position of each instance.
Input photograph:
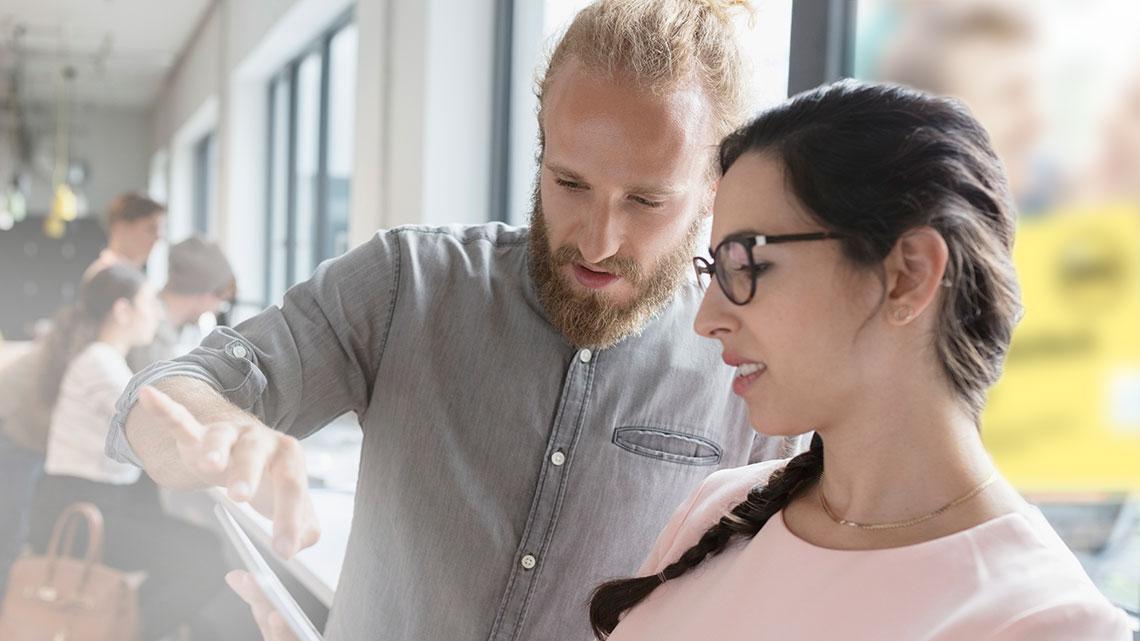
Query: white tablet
(274, 590)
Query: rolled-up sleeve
(299, 366)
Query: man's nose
(601, 235)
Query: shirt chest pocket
(668, 445)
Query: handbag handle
(65, 528)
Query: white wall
(195, 80)
(439, 112)
(369, 163)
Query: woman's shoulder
(724, 489)
(99, 360)
(715, 497)
(1067, 618)
(1047, 593)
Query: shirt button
(585, 355)
(528, 562)
(558, 458)
(239, 351)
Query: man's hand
(272, 626)
(253, 462)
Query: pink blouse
(1008, 578)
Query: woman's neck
(119, 340)
(903, 461)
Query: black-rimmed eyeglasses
(735, 267)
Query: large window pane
(204, 161)
(311, 157)
(305, 175)
(278, 191)
(342, 112)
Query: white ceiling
(122, 50)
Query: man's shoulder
(426, 249)
(437, 248)
(490, 234)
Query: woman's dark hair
(871, 162)
(77, 325)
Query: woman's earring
(904, 314)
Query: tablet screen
(274, 590)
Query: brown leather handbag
(59, 597)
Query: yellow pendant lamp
(64, 205)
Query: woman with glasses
(861, 284)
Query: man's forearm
(155, 444)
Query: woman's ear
(914, 269)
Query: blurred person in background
(24, 421)
(985, 53)
(134, 224)
(1113, 176)
(199, 281)
(30, 386)
(85, 372)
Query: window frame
(321, 244)
(821, 50)
(204, 184)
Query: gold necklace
(909, 522)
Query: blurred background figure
(134, 224)
(985, 52)
(200, 282)
(1113, 174)
(114, 306)
(85, 372)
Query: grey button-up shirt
(504, 473)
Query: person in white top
(117, 310)
(87, 396)
(85, 370)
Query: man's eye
(645, 202)
(568, 184)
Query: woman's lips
(746, 375)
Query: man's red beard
(591, 319)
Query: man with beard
(528, 398)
